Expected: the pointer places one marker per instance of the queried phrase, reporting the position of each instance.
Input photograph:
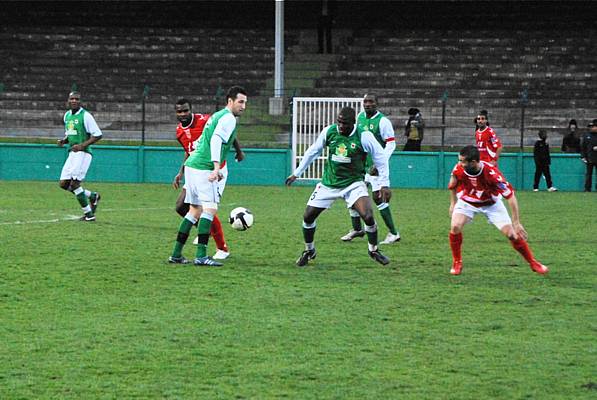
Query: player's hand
(290, 180)
(215, 176)
(240, 155)
(373, 171)
(583, 160)
(176, 181)
(385, 194)
(61, 142)
(520, 232)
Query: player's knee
(182, 208)
(64, 185)
(368, 217)
(455, 229)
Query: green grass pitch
(92, 310)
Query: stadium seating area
(113, 65)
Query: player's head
(482, 120)
(345, 121)
(74, 100)
(236, 100)
(370, 104)
(542, 134)
(183, 111)
(469, 159)
(593, 126)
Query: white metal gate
(309, 116)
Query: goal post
(309, 116)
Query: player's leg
(357, 228)
(386, 214)
(190, 218)
(182, 208)
(309, 225)
(365, 210)
(209, 198)
(216, 230)
(498, 216)
(184, 229)
(462, 214)
(355, 220)
(321, 199)
(79, 167)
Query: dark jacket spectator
(413, 130)
(571, 141)
(589, 154)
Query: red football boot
(539, 268)
(456, 268)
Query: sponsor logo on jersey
(341, 155)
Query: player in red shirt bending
(189, 129)
(476, 187)
(488, 143)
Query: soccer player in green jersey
(203, 177)
(80, 132)
(381, 127)
(343, 177)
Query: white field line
(75, 217)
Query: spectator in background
(324, 27)
(542, 162)
(571, 141)
(589, 154)
(413, 130)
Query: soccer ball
(241, 219)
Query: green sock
(204, 227)
(386, 214)
(371, 234)
(181, 239)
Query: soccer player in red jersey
(477, 187)
(488, 143)
(188, 131)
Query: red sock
(456, 245)
(218, 234)
(522, 247)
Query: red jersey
(482, 189)
(188, 135)
(488, 144)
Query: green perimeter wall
(263, 166)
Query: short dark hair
(542, 131)
(182, 101)
(234, 91)
(470, 153)
(348, 113)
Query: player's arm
(178, 177)
(64, 140)
(452, 187)
(519, 230)
(221, 135)
(310, 155)
(240, 154)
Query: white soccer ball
(241, 219)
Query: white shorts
(374, 181)
(199, 190)
(496, 213)
(324, 197)
(221, 183)
(76, 166)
